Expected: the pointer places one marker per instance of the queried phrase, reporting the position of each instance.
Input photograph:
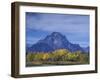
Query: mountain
(53, 42)
(86, 49)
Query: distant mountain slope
(86, 49)
(53, 42)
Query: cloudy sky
(74, 27)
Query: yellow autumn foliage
(58, 55)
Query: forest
(57, 57)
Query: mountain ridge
(53, 42)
